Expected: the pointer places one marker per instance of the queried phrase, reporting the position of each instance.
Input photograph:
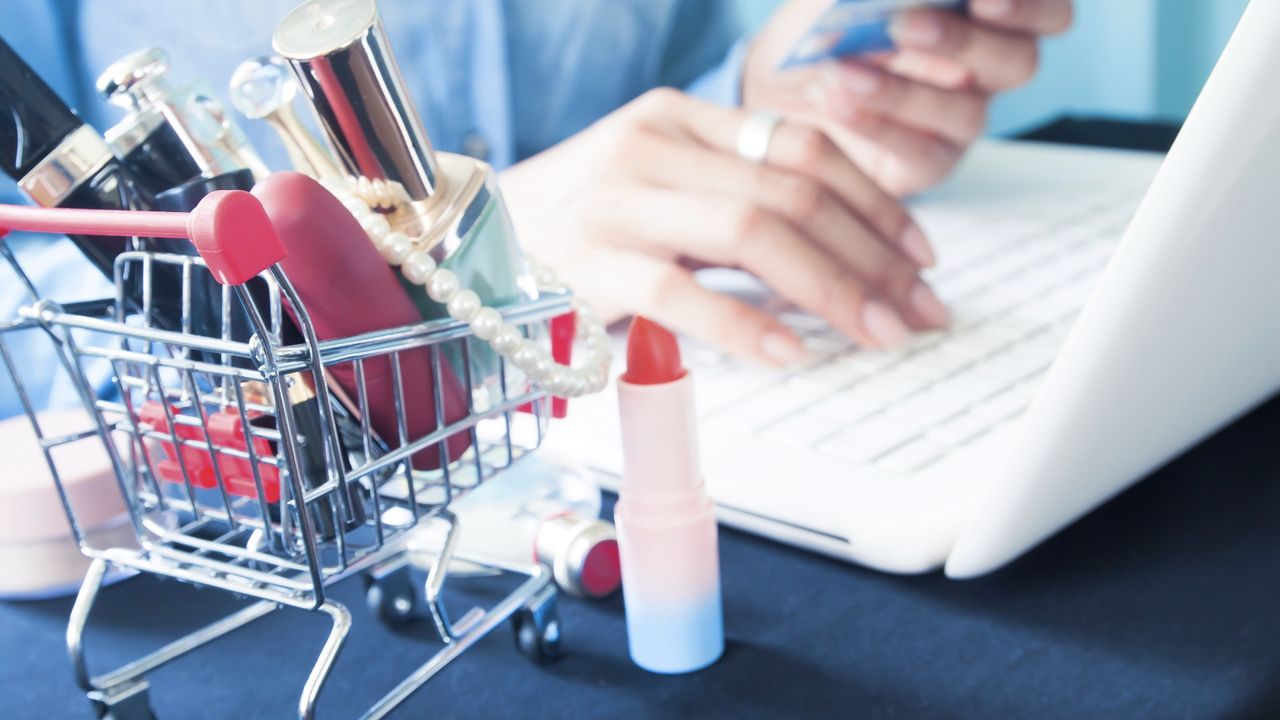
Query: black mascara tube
(59, 161)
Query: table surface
(1165, 603)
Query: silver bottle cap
(138, 82)
(344, 64)
(135, 80)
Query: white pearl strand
(463, 305)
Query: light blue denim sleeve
(723, 83)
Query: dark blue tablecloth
(1165, 603)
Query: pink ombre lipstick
(665, 522)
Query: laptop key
(959, 430)
(802, 430)
(831, 376)
(755, 412)
(869, 440)
(932, 406)
(1003, 406)
(871, 361)
(714, 391)
(935, 363)
(913, 456)
(894, 384)
(848, 407)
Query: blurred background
(1137, 59)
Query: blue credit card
(855, 27)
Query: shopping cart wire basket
(244, 466)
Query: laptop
(1111, 309)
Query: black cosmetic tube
(59, 161)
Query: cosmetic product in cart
(444, 204)
(302, 399)
(543, 509)
(39, 557)
(59, 161)
(665, 520)
(349, 290)
(264, 89)
(171, 134)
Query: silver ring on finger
(755, 135)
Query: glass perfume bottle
(447, 204)
(171, 134)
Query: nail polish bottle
(449, 205)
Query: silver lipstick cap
(344, 64)
(582, 554)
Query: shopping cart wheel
(537, 627)
(393, 597)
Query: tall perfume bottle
(449, 204)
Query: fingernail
(992, 8)
(919, 29)
(816, 93)
(861, 81)
(884, 324)
(916, 246)
(782, 348)
(827, 96)
(928, 306)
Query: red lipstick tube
(665, 522)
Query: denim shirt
(496, 79)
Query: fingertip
(830, 96)
(780, 347)
(859, 79)
(992, 9)
(916, 28)
(917, 247)
(926, 304)
(884, 324)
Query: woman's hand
(624, 209)
(908, 116)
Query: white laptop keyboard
(1014, 288)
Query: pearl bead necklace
(463, 304)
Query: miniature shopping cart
(231, 482)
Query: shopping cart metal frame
(283, 553)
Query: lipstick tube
(349, 290)
(666, 523)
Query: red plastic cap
(653, 355)
(235, 237)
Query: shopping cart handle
(229, 228)
(235, 237)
